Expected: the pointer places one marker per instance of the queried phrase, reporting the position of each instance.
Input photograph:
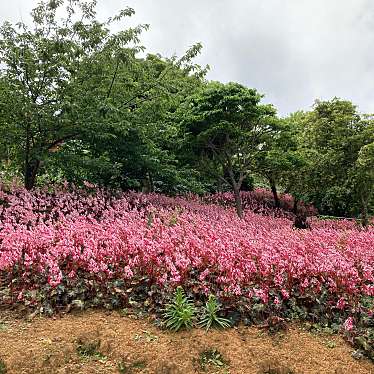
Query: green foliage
(124, 368)
(280, 158)
(58, 78)
(330, 344)
(212, 358)
(89, 349)
(329, 140)
(181, 312)
(210, 316)
(362, 175)
(227, 128)
(362, 335)
(78, 103)
(3, 369)
(3, 326)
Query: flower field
(93, 247)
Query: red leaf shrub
(95, 247)
(49, 237)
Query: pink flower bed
(59, 237)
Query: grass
(212, 359)
(124, 368)
(90, 350)
(330, 344)
(146, 336)
(3, 369)
(3, 326)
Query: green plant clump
(3, 369)
(90, 349)
(210, 316)
(123, 368)
(180, 313)
(212, 358)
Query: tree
(81, 104)
(8, 141)
(293, 172)
(363, 176)
(148, 152)
(228, 127)
(330, 138)
(143, 155)
(280, 159)
(59, 77)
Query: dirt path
(98, 342)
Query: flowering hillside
(108, 249)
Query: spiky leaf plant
(180, 313)
(211, 317)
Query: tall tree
(228, 127)
(280, 158)
(363, 180)
(143, 154)
(148, 152)
(59, 77)
(330, 139)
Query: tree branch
(113, 79)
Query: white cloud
(293, 51)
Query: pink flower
(127, 236)
(305, 283)
(128, 272)
(72, 274)
(88, 184)
(285, 294)
(348, 324)
(262, 294)
(203, 275)
(277, 301)
(341, 303)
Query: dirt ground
(101, 342)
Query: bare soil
(102, 342)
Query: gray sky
(293, 51)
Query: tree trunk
(147, 184)
(364, 212)
(236, 186)
(151, 184)
(31, 164)
(219, 185)
(238, 202)
(295, 203)
(275, 193)
(31, 171)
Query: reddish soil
(130, 346)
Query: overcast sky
(293, 51)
